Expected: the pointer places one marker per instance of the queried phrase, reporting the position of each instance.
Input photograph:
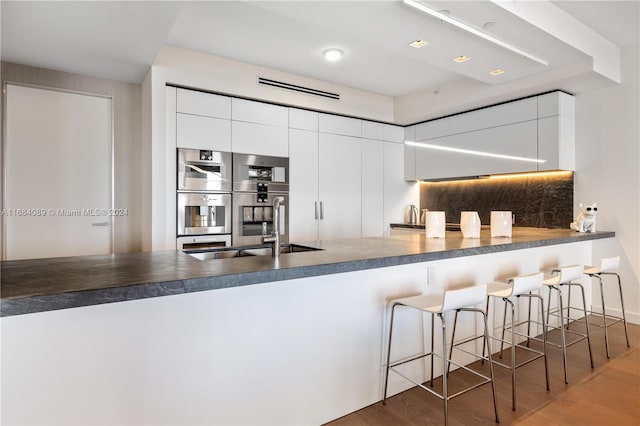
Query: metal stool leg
(564, 341)
(586, 323)
(513, 350)
(433, 318)
(493, 382)
(544, 336)
(386, 377)
(453, 337)
(604, 317)
(445, 369)
(624, 317)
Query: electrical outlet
(431, 275)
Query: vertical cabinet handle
(316, 210)
(321, 210)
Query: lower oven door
(200, 213)
(253, 219)
(203, 242)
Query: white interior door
(58, 173)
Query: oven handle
(199, 170)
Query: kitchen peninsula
(305, 346)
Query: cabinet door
(372, 187)
(200, 103)
(303, 186)
(258, 139)
(518, 139)
(198, 132)
(338, 125)
(340, 174)
(303, 119)
(259, 112)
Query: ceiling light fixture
(460, 59)
(497, 71)
(332, 54)
(474, 31)
(418, 43)
(472, 152)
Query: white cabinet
(339, 125)
(259, 139)
(325, 189)
(199, 132)
(537, 128)
(259, 112)
(372, 217)
(303, 119)
(340, 175)
(259, 128)
(391, 133)
(205, 104)
(303, 186)
(372, 130)
(518, 140)
(556, 131)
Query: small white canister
(501, 222)
(470, 224)
(435, 224)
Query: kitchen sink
(284, 248)
(246, 251)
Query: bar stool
(606, 265)
(461, 300)
(522, 286)
(564, 276)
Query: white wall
(608, 172)
(207, 72)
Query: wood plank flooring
(607, 395)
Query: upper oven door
(204, 170)
(249, 170)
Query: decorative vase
(435, 224)
(470, 224)
(501, 224)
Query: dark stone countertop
(37, 285)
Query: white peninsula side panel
(303, 351)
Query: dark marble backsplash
(542, 200)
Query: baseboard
(632, 317)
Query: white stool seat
(452, 299)
(606, 264)
(564, 274)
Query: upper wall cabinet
(205, 104)
(494, 140)
(339, 125)
(556, 131)
(259, 128)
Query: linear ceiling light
(474, 31)
(472, 152)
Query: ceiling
(120, 40)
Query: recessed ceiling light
(418, 43)
(332, 54)
(497, 71)
(446, 18)
(460, 59)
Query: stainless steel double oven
(203, 199)
(224, 198)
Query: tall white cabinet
(347, 178)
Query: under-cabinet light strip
(474, 31)
(472, 152)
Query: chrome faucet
(274, 238)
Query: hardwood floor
(607, 395)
